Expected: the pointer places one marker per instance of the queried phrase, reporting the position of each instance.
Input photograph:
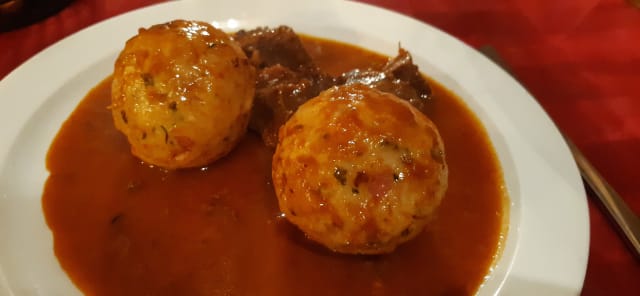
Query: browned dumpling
(182, 94)
(359, 170)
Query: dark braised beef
(288, 77)
(398, 76)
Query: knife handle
(627, 220)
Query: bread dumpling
(182, 94)
(358, 170)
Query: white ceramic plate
(546, 249)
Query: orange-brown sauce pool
(123, 228)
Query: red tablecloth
(580, 59)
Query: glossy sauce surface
(123, 228)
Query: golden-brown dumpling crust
(358, 170)
(182, 94)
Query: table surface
(580, 59)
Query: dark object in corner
(15, 14)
